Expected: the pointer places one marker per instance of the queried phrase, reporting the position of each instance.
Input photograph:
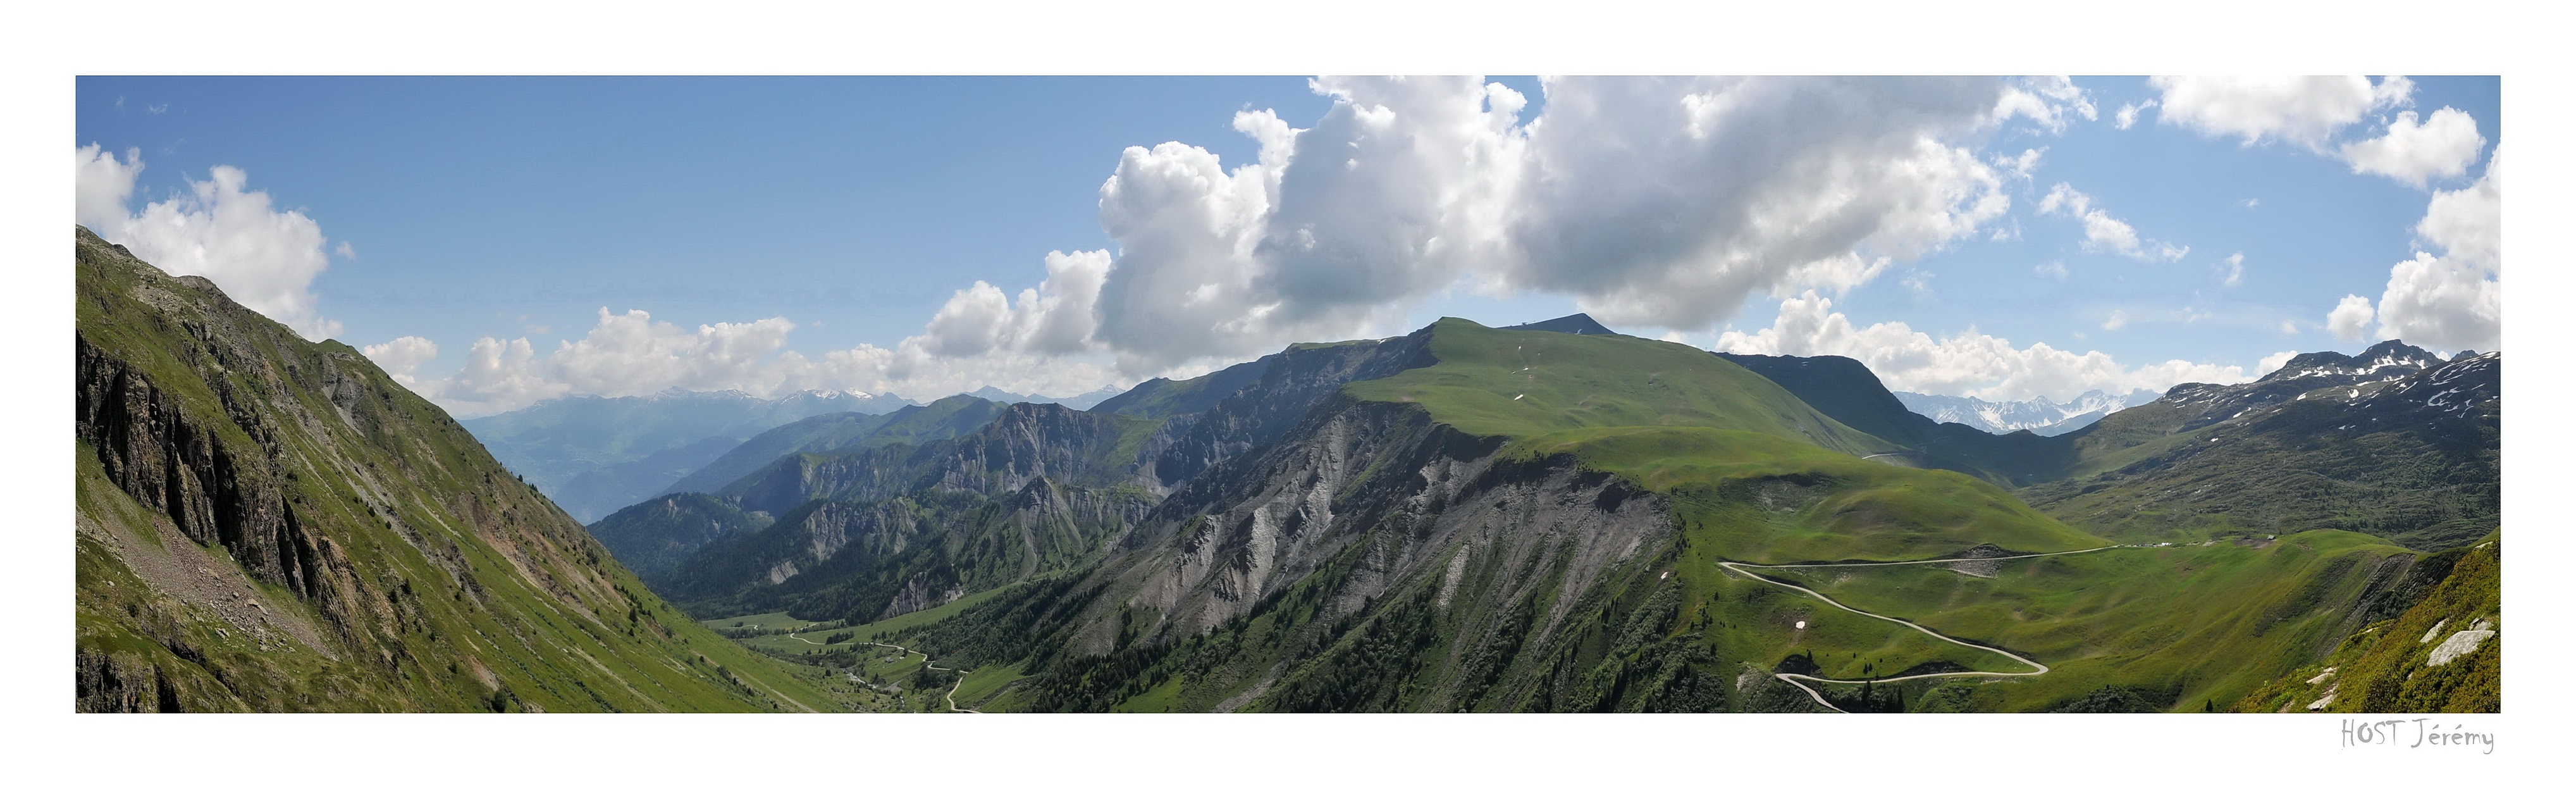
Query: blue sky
(858, 209)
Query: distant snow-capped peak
(2039, 414)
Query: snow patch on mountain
(2039, 415)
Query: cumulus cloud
(2274, 362)
(2303, 111)
(2454, 301)
(2310, 111)
(630, 353)
(1771, 185)
(2442, 146)
(401, 357)
(1970, 363)
(101, 185)
(2351, 317)
(2444, 303)
(2050, 102)
(262, 257)
(2468, 223)
(2103, 232)
(2234, 265)
(1654, 202)
(2451, 301)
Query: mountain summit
(1578, 323)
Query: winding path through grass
(2037, 668)
(925, 663)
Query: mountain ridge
(269, 524)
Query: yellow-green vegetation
(1772, 479)
(1499, 382)
(267, 650)
(2191, 625)
(1764, 499)
(778, 633)
(2387, 667)
(983, 685)
(269, 524)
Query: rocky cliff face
(1365, 517)
(1402, 500)
(1292, 385)
(864, 560)
(1025, 441)
(271, 524)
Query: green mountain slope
(265, 523)
(1846, 390)
(654, 537)
(1162, 398)
(1773, 500)
(1508, 520)
(1503, 382)
(2181, 627)
(2441, 653)
(2415, 459)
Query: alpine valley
(1547, 517)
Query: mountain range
(2038, 415)
(1549, 517)
(594, 455)
(1463, 518)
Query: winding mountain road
(951, 698)
(2037, 668)
(925, 663)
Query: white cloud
(2046, 101)
(2103, 232)
(401, 357)
(2235, 268)
(2250, 202)
(2273, 362)
(2468, 223)
(2052, 270)
(1654, 202)
(1969, 363)
(2128, 114)
(2350, 318)
(2451, 302)
(264, 258)
(345, 251)
(2020, 167)
(2444, 303)
(2442, 146)
(2289, 326)
(101, 185)
(2119, 319)
(2304, 111)
(631, 354)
